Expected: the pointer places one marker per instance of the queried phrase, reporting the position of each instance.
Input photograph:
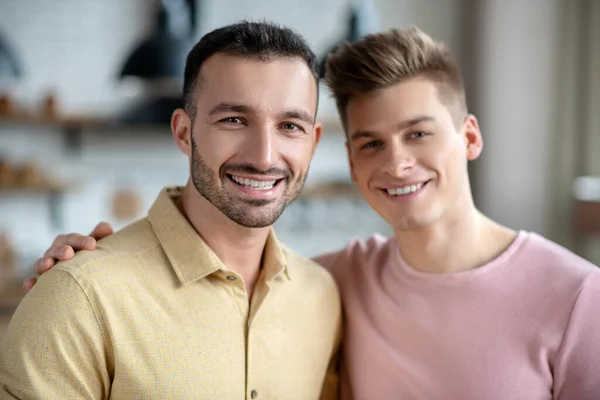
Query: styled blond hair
(384, 59)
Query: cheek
(219, 148)
(439, 153)
(295, 152)
(451, 162)
(362, 169)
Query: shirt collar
(190, 257)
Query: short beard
(205, 182)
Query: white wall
(516, 88)
(74, 48)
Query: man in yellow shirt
(199, 300)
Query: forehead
(380, 109)
(268, 86)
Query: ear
(181, 127)
(318, 130)
(349, 153)
(472, 137)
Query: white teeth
(259, 185)
(404, 190)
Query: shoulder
(358, 253)
(134, 242)
(555, 259)
(555, 270)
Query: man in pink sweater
(454, 305)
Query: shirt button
(254, 394)
(231, 278)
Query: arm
(54, 347)
(577, 366)
(331, 384)
(64, 247)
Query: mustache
(231, 169)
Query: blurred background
(87, 89)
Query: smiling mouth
(404, 190)
(254, 184)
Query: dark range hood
(9, 66)
(360, 21)
(159, 62)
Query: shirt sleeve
(54, 347)
(577, 366)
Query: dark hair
(262, 40)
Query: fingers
(63, 248)
(101, 230)
(28, 284)
(61, 252)
(76, 241)
(44, 264)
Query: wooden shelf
(38, 189)
(50, 122)
(11, 295)
(83, 124)
(330, 124)
(72, 128)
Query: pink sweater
(524, 326)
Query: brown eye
(232, 120)
(371, 144)
(288, 126)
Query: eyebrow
(229, 107)
(299, 114)
(240, 108)
(401, 126)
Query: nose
(260, 148)
(399, 160)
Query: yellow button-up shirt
(154, 314)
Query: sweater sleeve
(337, 262)
(331, 260)
(577, 366)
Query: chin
(409, 222)
(257, 217)
(251, 221)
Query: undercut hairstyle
(380, 60)
(265, 41)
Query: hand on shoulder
(64, 247)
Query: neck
(239, 248)
(461, 240)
